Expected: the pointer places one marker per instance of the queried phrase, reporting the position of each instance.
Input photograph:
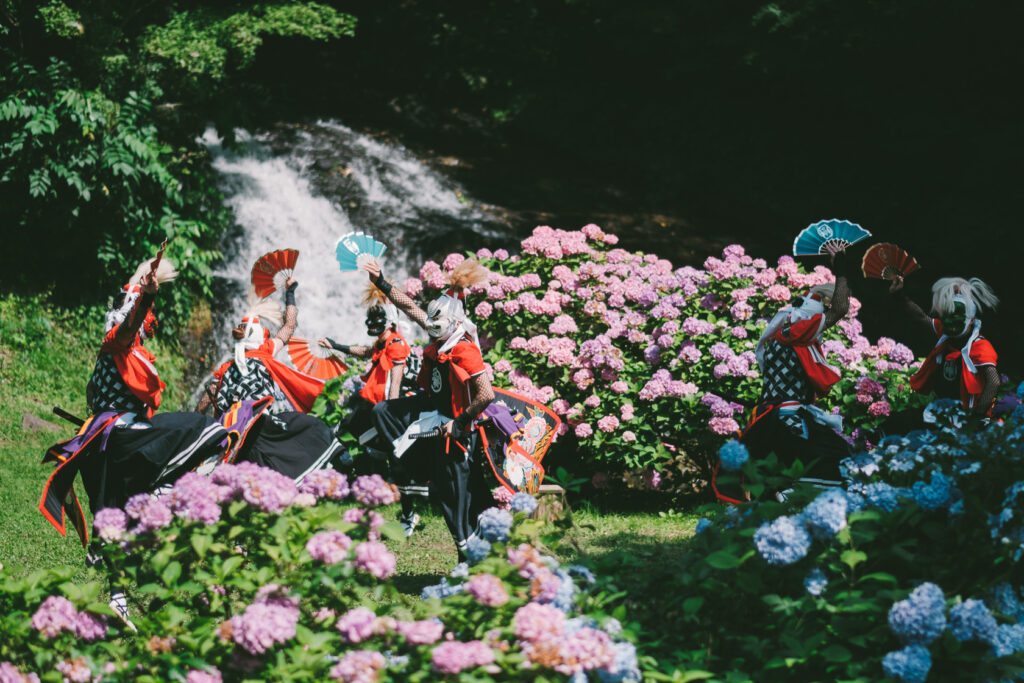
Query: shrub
(643, 359)
(911, 570)
(248, 576)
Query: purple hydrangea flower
(326, 483)
(56, 614)
(452, 657)
(424, 632)
(329, 547)
(357, 624)
(359, 666)
(371, 490)
(374, 557)
(110, 524)
(487, 589)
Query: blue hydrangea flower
(441, 590)
(702, 524)
(461, 571)
(566, 595)
(1006, 601)
(933, 495)
(862, 463)
(911, 664)
(855, 501)
(733, 455)
(1008, 639)
(972, 620)
(815, 582)
(477, 549)
(882, 496)
(582, 572)
(783, 541)
(495, 524)
(625, 666)
(523, 502)
(1020, 390)
(920, 618)
(826, 515)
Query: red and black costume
(952, 372)
(126, 447)
(286, 439)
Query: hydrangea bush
(644, 360)
(247, 577)
(911, 571)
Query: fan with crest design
(887, 261)
(314, 360)
(817, 237)
(272, 270)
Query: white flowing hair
(974, 290)
(165, 272)
(266, 309)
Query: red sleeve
(801, 333)
(982, 352)
(937, 326)
(218, 374)
(110, 343)
(467, 356)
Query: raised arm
(127, 330)
(916, 312)
(397, 296)
(206, 401)
(840, 305)
(291, 314)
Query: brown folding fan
(887, 261)
(314, 360)
(272, 270)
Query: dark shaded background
(729, 121)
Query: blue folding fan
(354, 249)
(815, 238)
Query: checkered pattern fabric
(784, 377)
(256, 384)
(107, 391)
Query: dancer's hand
(149, 283)
(291, 283)
(448, 428)
(322, 341)
(897, 284)
(372, 267)
(833, 249)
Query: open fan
(314, 360)
(814, 239)
(354, 249)
(887, 261)
(272, 270)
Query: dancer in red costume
(794, 374)
(455, 391)
(388, 356)
(962, 364)
(286, 440)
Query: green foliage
(208, 44)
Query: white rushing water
(271, 186)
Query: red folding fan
(887, 261)
(272, 270)
(314, 360)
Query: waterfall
(301, 187)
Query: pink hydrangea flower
(374, 557)
(483, 310)
(536, 622)
(56, 614)
(359, 666)
(487, 589)
(608, 423)
(329, 547)
(879, 409)
(424, 632)
(452, 657)
(723, 425)
(628, 436)
(583, 430)
(357, 624)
